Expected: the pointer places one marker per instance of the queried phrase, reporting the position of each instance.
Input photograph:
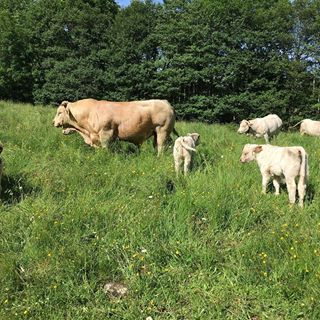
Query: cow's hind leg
(162, 136)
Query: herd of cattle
(101, 122)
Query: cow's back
(272, 123)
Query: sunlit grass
(208, 246)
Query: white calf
(280, 163)
(183, 149)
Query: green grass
(73, 218)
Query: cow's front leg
(266, 137)
(69, 131)
(265, 180)
(105, 137)
(86, 139)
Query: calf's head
(249, 152)
(196, 137)
(244, 126)
(62, 117)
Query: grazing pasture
(205, 246)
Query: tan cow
(1, 165)
(100, 122)
(262, 127)
(309, 127)
(183, 149)
(280, 163)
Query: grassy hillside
(209, 246)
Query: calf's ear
(257, 149)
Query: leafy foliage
(213, 60)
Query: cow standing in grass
(262, 127)
(280, 163)
(100, 122)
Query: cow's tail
(188, 147)
(175, 132)
(295, 125)
(304, 167)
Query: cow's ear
(71, 116)
(257, 149)
(64, 103)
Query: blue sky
(124, 3)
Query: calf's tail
(187, 147)
(175, 132)
(304, 166)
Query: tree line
(213, 60)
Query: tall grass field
(205, 246)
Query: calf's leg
(292, 188)
(276, 184)
(187, 163)
(265, 180)
(301, 190)
(177, 164)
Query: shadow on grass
(310, 192)
(123, 147)
(15, 188)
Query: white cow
(262, 127)
(310, 127)
(280, 163)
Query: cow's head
(249, 152)
(244, 126)
(1, 147)
(195, 137)
(62, 117)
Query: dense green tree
(15, 52)
(213, 60)
(132, 53)
(68, 38)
